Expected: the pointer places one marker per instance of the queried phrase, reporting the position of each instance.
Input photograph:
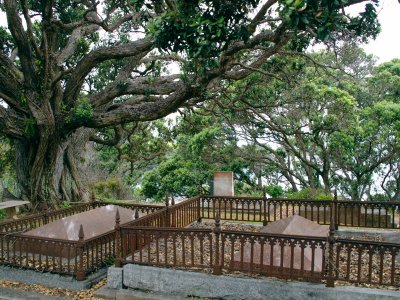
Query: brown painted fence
(159, 237)
(77, 258)
(348, 213)
(277, 255)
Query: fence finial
(335, 194)
(172, 200)
(136, 214)
(81, 235)
(217, 228)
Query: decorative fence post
(118, 262)
(93, 200)
(136, 214)
(330, 281)
(166, 219)
(264, 211)
(200, 197)
(335, 209)
(80, 272)
(217, 270)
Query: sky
(387, 44)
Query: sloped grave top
(95, 222)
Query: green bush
(275, 191)
(309, 193)
(112, 189)
(2, 214)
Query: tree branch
(22, 41)
(97, 56)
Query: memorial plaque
(293, 257)
(223, 184)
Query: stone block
(114, 277)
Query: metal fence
(77, 258)
(284, 256)
(162, 238)
(347, 213)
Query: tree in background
(69, 68)
(321, 122)
(203, 144)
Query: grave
(286, 261)
(94, 222)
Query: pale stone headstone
(223, 184)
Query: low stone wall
(185, 284)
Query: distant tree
(203, 144)
(322, 121)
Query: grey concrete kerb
(180, 283)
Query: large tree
(70, 67)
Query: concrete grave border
(176, 284)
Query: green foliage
(200, 148)
(173, 177)
(82, 113)
(311, 194)
(65, 204)
(202, 28)
(2, 214)
(6, 41)
(275, 191)
(30, 127)
(111, 189)
(325, 18)
(7, 157)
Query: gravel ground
(17, 290)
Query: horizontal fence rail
(143, 208)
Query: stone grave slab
(95, 222)
(292, 257)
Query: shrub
(112, 189)
(309, 193)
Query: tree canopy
(69, 68)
